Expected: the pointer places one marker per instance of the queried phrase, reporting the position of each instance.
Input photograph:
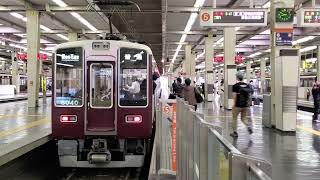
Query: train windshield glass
(133, 77)
(69, 83)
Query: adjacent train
(102, 103)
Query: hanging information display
(233, 17)
(309, 17)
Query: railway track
(103, 174)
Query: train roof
(88, 43)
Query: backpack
(198, 96)
(244, 95)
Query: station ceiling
(158, 23)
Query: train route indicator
(309, 17)
(233, 17)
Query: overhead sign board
(284, 38)
(309, 17)
(233, 17)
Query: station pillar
(73, 36)
(230, 68)
(187, 61)
(248, 71)
(193, 66)
(24, 71)
(263, 75)
(43, 83)
(285, 70)
(209, 74)
(15, 73)
(33, 38)
(318, 63)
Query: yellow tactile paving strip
(24, 127)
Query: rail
(199, 151)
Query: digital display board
(233, 17)
(309, 17)
(284, 15)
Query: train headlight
(68, 118)
(133, 119)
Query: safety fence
(195, 149)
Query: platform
(23, 129)
(18, 97)
(293, 156)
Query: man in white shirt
(134, 88)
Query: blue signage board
(284, 38)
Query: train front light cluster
(133, 119)
(68, 118)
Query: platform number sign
(205, 17)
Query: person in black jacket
(316, 100)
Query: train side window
(133, 75)
(101, 85)
(69, 77)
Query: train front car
(102, 103)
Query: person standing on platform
(179, 87)
(241, 96)
(188, 93)
(316, 99)
(174, 87)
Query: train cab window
(133, 75)
(69, 78)
(101, 85)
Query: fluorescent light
(76, 15)
(16, 15)
(63, 37)
(199, 3)
(302, 40)
(267, 51)
(45, 28)
(254, 54)
(83, 21)
(191, 20)
(309, 48)
(266, 5)
(313, 60)
(201, 55)
(60, 3)
(237, 28)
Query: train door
(101, 98)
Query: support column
(33, 38)
(73, 36)
(187, 61)
(43, 82)
(285, 74)
(230, 68)
(24, 68)
(193, 66)
(209, 74)
(15, 73)
(263, 75)
(248, 71)
(318, 63)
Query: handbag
(198, 96)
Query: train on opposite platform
(102, 103)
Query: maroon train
(102, 103)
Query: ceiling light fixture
(63, 37)
(309, 48)
(191, 20)
(302, 40)
(76, 15)
(255, 54)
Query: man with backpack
(241, 97)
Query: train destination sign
(309, 17)
(233, 17)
